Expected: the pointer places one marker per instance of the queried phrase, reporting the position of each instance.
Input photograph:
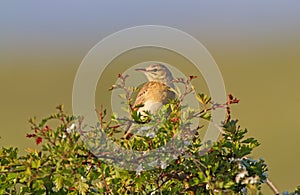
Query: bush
(66, 165)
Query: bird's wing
(140, 98)
(155, 91)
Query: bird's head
(157, 72)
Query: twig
(272, 186)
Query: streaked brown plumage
(153, 95)
(156, 92)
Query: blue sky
(80, 19)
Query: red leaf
(175, 119)
(30, 135)
(232, 100)
(235, 101)
(38, 140)
(192, 77)
(47, 128)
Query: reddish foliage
(175, 120)
(38, 140)
(192, 77)
(47, 128)
(30, 135)
(232, 100)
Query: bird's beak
(141, 69)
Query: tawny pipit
(156, 92)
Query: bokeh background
(256, 45)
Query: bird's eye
(154, 70)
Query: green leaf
(203, 99)
(36, 164)
(12, 176)
(58, 181)
(82, 187)
(229, 184)
(206, 116)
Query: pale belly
(150, 106)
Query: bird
(157, 91)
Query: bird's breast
(153, 95)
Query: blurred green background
(255, 44)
